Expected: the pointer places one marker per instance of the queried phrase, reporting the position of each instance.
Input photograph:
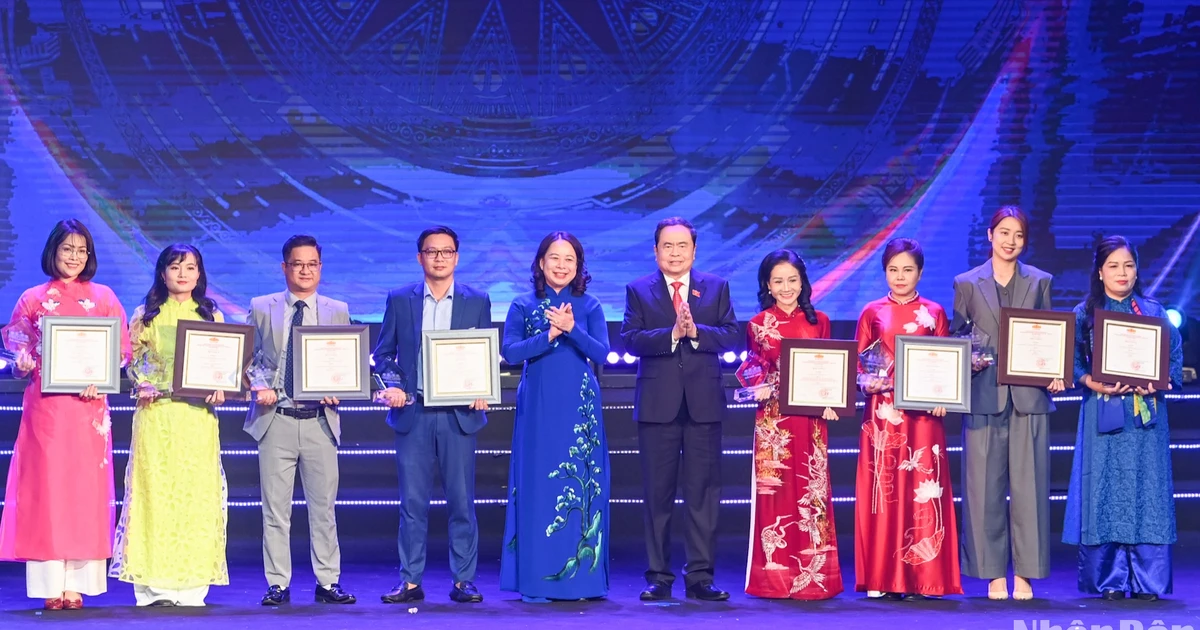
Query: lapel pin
(695, 293)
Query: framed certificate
(81, 351)
(331, 361)
(1036, 347)
(933, 372)
(460, 366)
(815, 374)
(1130, 349)
(209, 357)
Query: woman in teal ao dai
(1120, 505)
(556, 526)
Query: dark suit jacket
(664, 377)
(400, 337)
(976, 300)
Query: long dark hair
(61, 231)
(582, 277)
(766, 300)
(158, 293)
(1104, 249)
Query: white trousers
(146, 595)
(49, 579)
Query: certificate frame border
(225, 328)
(788, 344)
(899, 401)
(490, 335)
(1100, 318)
(50, 322)
(1003, 377)
(363, 331)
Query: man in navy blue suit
(678, 321)
(435, 437)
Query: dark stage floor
(235, 606)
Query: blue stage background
(826, 126)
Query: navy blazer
(400, 337)
(664, 377)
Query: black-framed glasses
(311, 266)
(439, 253)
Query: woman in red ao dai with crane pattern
(906, 538)
(793, 542)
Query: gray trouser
(308, 444)
(1005, 454)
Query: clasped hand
(1119, 389)
(685, 326)
(561, 318)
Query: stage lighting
(3, 365)
(613, 357)
(1175, 316)
(629, 358)
(743, 355)
(730, 357)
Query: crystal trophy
(389, 375)
(875, 364)
(20, 339)
(752, 374)
(981, 353)
(261, 373)
(148, 372)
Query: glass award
(389, 375)
(981, 351)
(752, 374)
(148, 372)
(875, 364)
(261, 373)
(20, 339)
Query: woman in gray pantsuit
(1006, 448)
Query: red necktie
(676, 298)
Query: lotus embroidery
(50, 305)
(889, 413)
(928, 490)
(87, 304)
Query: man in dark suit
(441, 437)
(678, 321)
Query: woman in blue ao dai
(556, 525)
(1120, 504)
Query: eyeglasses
(439, 253)
(71, 252)
(311, 266)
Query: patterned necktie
(676, 297)
(297, 320)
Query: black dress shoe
(892, 597)
(404, 594)
(1147, 597)
(656, 591)
(335, 594)
(707, 592)
(465, 593)
(1112, 596)
(277, 596)
(162, 603)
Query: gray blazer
(976, 300)
(266, 314)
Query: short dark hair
(61, 231)
(668, 222)
(437, 229)
(582, 277)
(300, 240)
(898, 246)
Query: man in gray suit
(1006, 448)
(293, 434)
